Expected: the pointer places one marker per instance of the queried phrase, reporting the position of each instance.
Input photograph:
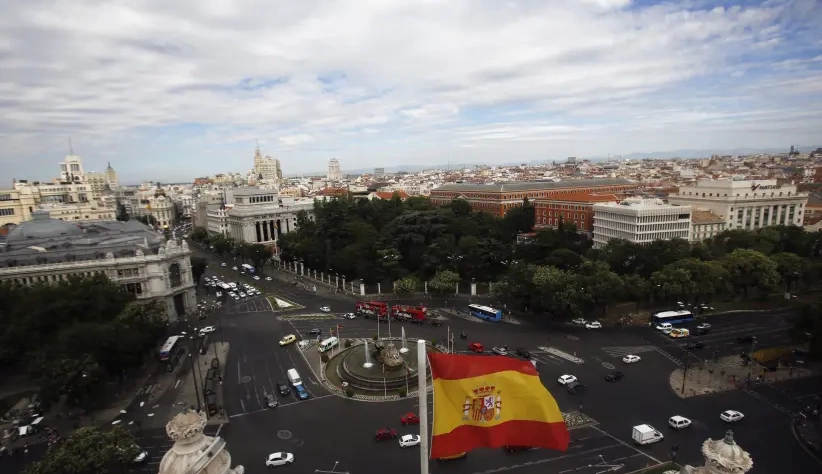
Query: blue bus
(247, 268)
(484, 312)
(673, 317)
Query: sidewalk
(727, 373)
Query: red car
(410, 419)
(476, 347)
(385, 433)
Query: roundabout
(383, 369)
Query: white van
(665, 327)
(328, 344)
(294, 377)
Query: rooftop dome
(724, 456)
(41, 227)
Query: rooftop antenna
(71, 147)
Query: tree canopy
(72, 335)
(89, 450)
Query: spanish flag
(491, 401)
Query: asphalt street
(327, 429)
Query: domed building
(47, 250)
(722, 456)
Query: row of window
(128, 272)
(773, 194)
(5, 197)
(550, 221)
(52, 278)
(6, 212)
(532, 194)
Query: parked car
(282, 387)
(614, 376)
(385, 433)
(271, 401)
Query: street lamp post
(750, 357)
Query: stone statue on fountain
(389, 356)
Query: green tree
(749, 269)
(199, 234)
(122, 214)
(198, 268)
(671, 283)
(89, 450)
(790, 268)
(708, 279)
(445, 281)
(406, 285)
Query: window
(6, 212)
(174, 275)
(134, 288)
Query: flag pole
(422, 382)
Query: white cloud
(209, 74)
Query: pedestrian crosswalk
(305, 317)
(622, 351)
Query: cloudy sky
(169, 90)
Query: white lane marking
(242, 404)
(281, 406)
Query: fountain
(367, 364)
(404, 348)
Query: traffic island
(381, 370)
(281, 304)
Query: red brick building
(498, 198)
(572, 208)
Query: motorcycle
(463, 336)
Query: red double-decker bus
(377, 309)
(415, 314)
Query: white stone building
(217, 218)
(641, 221)
(267, 167)
(260, 215)
(193, 452)
(745, 204)
(46, 250)
(334, 171)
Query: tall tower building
(71, 169)
(334, 173)
(267, 167)
(111, 176)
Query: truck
(646, 434)
(413, 314)
(373, 309)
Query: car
(282, 387)
(242, 273)
(475, 347)
(409, 440)
(631, 359)
(222, 264)
(744, 339)
(236, 297)
(279, 459)
(385, 433)
(435, 322)
(580, 321)
(500, 351)
(256, 277)
(350, 316)
(289, 339)
(566, 379)
(267, 278)
(141, 457)
(730, 416)
(410, 419)
(695, 345)
(575, 387)
(325, 309)
(614, 376)
(523, 353)
(300, 392)
(678, 422)
(207, 330)
(234, 268)
(704, 326)
(243, 294)
(315, 332)
(594, 325)
(417, 321)
(515, 449)
(271, 401)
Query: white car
(678, 422)
(234, 268)
(406, 441)
(500, 351)
(267, 278)
(704, 326)
(580, 321)
(325, 309)
(279, 459)
(207, 330)
(593, 325)
(141, 457)
(222, 265)
(566, 379)
(256, 277)
(242, 294)
(631, 359)
(349, 316)
(730, 416)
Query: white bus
(328, 344)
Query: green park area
(282, 304)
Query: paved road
(327, 429)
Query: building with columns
(334, 171)
(47, 250)
(259, 216)
(745, 205)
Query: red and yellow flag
(488, 401)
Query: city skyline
(171, 92)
